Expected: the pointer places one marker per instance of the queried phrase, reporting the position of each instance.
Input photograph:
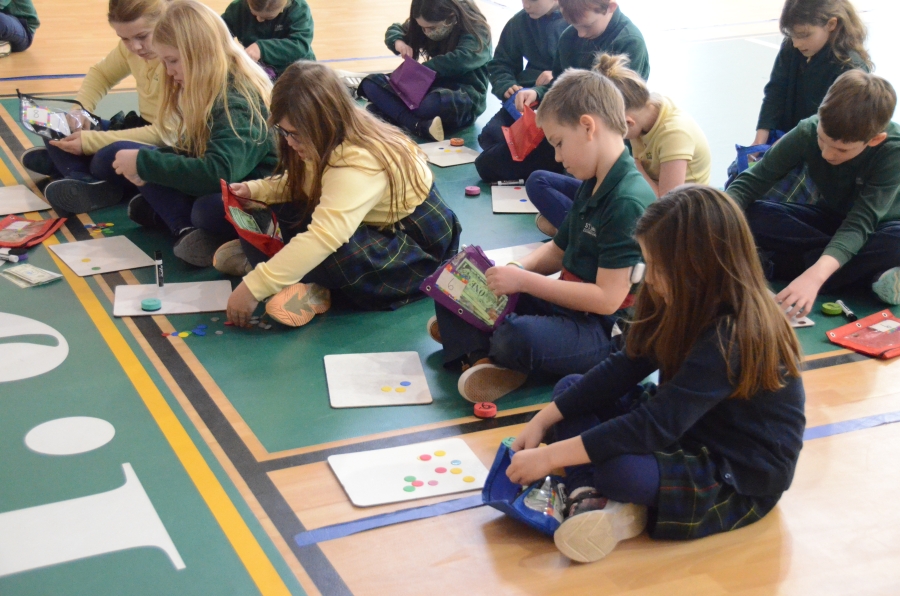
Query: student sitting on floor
(850, 236)
(596, 26)
(356, 203)
(275, 33)
(79, 156)
(712, 448)
(530, 36)
(18, 22)
(563, 326)
(669, 148)
(455, 40)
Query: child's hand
(511, 90)
(503, 281)
(526, 97)
(544, 78)
(799, 297)
(125, 165)
(241, 305)
(403, 49)
(77, 119)
(762, 135)
(530, 437)
(240, 189)
(253, 51)
(529, 465)
(70, 144)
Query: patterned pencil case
(259, 227)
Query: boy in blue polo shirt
(563, 326)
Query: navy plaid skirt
(796, 187)
(457, 108)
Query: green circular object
(409, 479)
(831, 309)
(409, 489)
(151, 304)
(95, 268)
(508, 441)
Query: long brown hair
(465, 14)
(699, 246)
(848, 36)
(313, 99)
(127, 11)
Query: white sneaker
(488, 382)
(5, 49)
(589, 536)
(887, 288)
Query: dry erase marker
(847, 312)
(10, 258)
(157, 256)
(518, 182)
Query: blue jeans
(14, 30)
(552, 194)
(792, 237)
(537, 337)
(632, 478)
(396, 111)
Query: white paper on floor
(93, 257)
(176, 299)
(440, 467)
(443, 155)
(19, 199)
(502, 256)
(377, 379)
(511, 199)
(795, 321)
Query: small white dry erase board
(511, 199)
(444, 155)
(176, 299)
(378, 379)
(19, 199)
(103, 255)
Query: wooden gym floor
(229, 434)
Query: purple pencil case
(460, 286)
(411, 82)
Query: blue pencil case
(502, 494)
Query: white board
(18, 199)
(419, 471)
(443, 155)
(511, 199)
(502, 256)
(795, 321)
(378, 379)
(93, 257)
(177, 299)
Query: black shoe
(197, 247)
(430, 130)
(75, 196)
(37, 160)
(141, 213)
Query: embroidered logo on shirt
(279, 27)
(589, 230)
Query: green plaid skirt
(796, 187)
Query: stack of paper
(28, 276)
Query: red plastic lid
(485, 409)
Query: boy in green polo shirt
(18, 22)
(850, 234)
(563, 326)
(275, 33)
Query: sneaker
(141, 213)
(196, 247)
(5, 49)
(594, 525)
(37, 160)
(433, 330)
(887, 287)
(231, 260)
(75, 196)
(544, 225)
(296, 305)
(485, 381)
(430, 130)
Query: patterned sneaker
(433, 330)
(543, 224)
(594, 525)
(37, 160)
(296, 305)
(76, 196)
(231, 260)
(196, 247)
(5, 49)
(887, 288)
(485, 381)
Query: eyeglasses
(285, 134)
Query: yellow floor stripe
(6, 175)
(242, 539)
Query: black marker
(847, 312)
(157, 256)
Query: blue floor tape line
(847, 426)
(42, 77)
(387, 519)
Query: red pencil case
(18, 232)
(523, 136)
(877, 335)
(259, 227)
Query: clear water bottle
(548, 498)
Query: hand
(71, 144)
(78, 120)
(762, 135)
(403, 49)
(125, 165)
(253, 51)
(503, 281)
(241, 305)
(799, 297)
(526, 97)
(530, 437)
(529, 465)
(544, 78)
(511, 90)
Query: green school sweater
(464, 67)
(796, 87)
(620, 37)
(229, 156)
(524, 39)
(21, 9)
(282, 41)
(863, 191)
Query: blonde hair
(633, 88)
(315, 101)
(578, 92)
(216, 68)
(127, 11)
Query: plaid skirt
(380, 269)
(694, 503)
(457, 108)
(796, 187)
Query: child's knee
(564, 383)
(512, 343)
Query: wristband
(516, 264)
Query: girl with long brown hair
(713, 447)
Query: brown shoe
(485, 381)
(433, 330)
(544, 225)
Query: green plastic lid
(151, 304)
(831, 309)
(508, 441)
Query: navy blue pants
(632, 478)
(791, 237)
(15, 31)
(552, 194)
(78, 167)
(454, 106)
(496, 163)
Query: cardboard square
(441, 467)
(19, 199)
(502, 256)
(443, 155)
(377, 379)
(511, 199)
(93, 257)
(178, 298)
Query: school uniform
(18, 22)
(544, 337)
(855, 217)
(722, 463)
(621, 37)
(282, 40)
(458, 94)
